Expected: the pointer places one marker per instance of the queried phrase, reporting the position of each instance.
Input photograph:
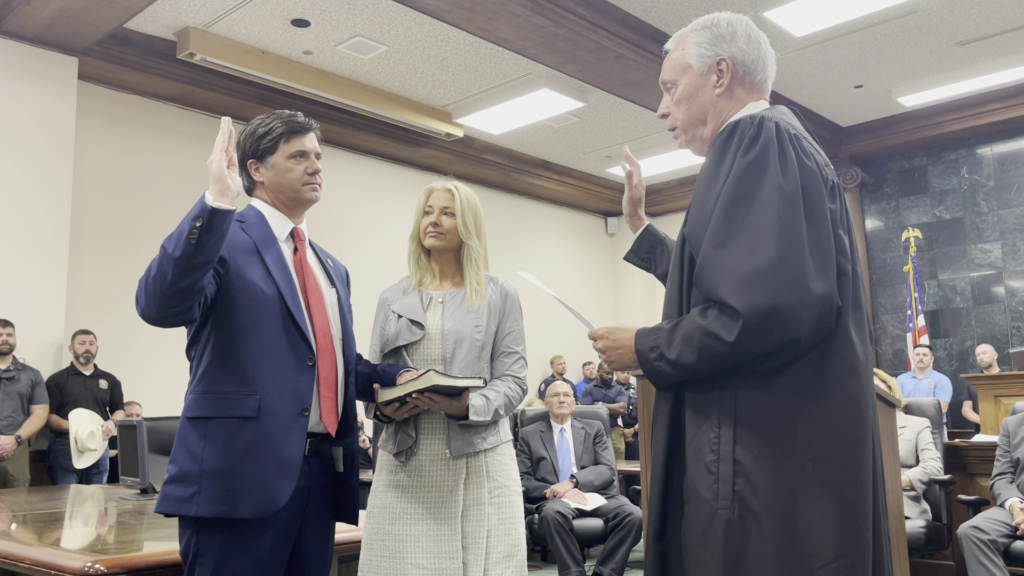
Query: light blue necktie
(564, 456)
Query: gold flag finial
(911, 233)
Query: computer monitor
(133, 459)
(1016, 359)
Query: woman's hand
(398, 410)
(456, 406)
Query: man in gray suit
(562, 459)
(984, 537)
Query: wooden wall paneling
(850, 176)
(978, 115)
(672, 196)
(67, 24)
(146, 65)
(593, 41)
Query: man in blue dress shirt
(923, 382)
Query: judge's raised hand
(222, 167)
(616, 345)
(635, 195)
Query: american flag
(917, 332)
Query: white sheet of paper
(578, 316)
(984, 438)
(593, 501)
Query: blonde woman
(446, 497)
(919, 460)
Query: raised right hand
(222, 167)
(635, 195)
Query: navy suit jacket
(239, 447)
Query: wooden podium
(890, 459)
(997, 394)
(886, 405)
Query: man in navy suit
(266, 458)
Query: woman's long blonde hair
(469, 217)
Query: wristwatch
(18, 439)
(575, 481)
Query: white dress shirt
(282, 226)
(557, 429)
(752, 108)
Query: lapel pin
(330, 263)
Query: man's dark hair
(587, 363)
(5, 323)
(82, 332)
(602, 364)
(261, 138)
(930, 349)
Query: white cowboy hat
(81, 516)
(86, 432)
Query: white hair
(734, 36)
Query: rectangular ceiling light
(663, 163)
(973, 85)
(519, 106)
(803, 17)
(206, 49)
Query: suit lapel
(256, 226)
(579, 436)
(549, 445)
(340, 282)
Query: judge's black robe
(766, 453)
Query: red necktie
(326, 359)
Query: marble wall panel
(967, 199)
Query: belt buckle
(310, 442)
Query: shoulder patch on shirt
(103, 384)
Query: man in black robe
(766, 456)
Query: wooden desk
(997, 394)
(628, 467)
(70, 530)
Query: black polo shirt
(70, 389)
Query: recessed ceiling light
(301, 23)
(362, 47)
(958, 88)
(663, 163)
(519, 106)
(803, 17)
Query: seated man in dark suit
(562, 459)
(984, 537)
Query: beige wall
(37, 150)
(139, 165)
